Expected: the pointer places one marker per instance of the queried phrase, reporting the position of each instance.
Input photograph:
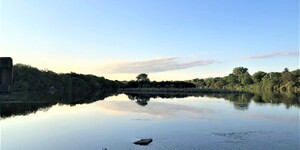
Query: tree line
(142, 81)
(27, 78)
(240, 79)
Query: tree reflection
(141, 99)
(240, 101)
(30, 102)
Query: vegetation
(30, 102)
(142, 78)
(27, 78)
(144, 82)
(241, 80)
(40, 89)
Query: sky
(167, 39)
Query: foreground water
(187, 123)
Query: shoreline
(176, 90)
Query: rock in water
(143, 142)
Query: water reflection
(191, 121)
(155, 109)
(26, 103)
(240, 101)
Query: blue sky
(168, 39)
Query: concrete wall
(6, 76)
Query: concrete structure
(6, 76)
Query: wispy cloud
(153, 65)
(275, 54)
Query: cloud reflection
(154, 109)
(275, 118)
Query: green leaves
(143, 77)
(240, 79)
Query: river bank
(177, 90)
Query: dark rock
(143, 142)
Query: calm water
(174, 123)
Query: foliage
(162, 84)
(142, 78)
(144, 82)
(257, 77)
(246, 79)
(239, 71)
(241, 80)
(27, 78)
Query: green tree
(142, 78)
(199, 82)
(296, 73)
(219, 82)
(286, 70)
(209, 82)
(257, 76)
(246, 79)
(231, 78)
(288, 77)
(272, 80)
(239, 71)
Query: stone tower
(6, 76)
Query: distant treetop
(143, 77)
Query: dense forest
(142, 81)
(45, 88)
(241, 80)
(27, 78)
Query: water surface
(174, 122)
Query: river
(174, 122)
